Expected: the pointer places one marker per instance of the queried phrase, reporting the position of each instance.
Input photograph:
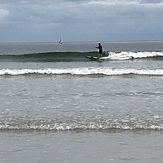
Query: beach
(58, 106)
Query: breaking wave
(110, 124)
(78, 56)
(82, 71)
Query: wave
(82, 71)
(54, 125)
(47, 57)
(135, 55)
(78, 56)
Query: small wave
(47, 57)
(82, 72)
(134, 55)
(78, 56)
(85, 125)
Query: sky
(80, 20)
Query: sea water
(58, 106)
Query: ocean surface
(58, 106)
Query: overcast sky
(81, 20)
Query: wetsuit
(100, 49)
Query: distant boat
(60, 41)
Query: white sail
(60, 41)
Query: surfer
(100, 50)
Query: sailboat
(60, 41)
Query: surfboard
(92, 58)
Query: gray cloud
(151, 1)
(35, 20)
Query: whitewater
(58, 106)
(82, 71)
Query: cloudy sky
(81, 20)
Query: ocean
(58, 106)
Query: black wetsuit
(100, 49)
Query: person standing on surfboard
(100, 50)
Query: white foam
(131, 55)
(82, 71)
(79, 126)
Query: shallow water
(125, 146)
(81, 111)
